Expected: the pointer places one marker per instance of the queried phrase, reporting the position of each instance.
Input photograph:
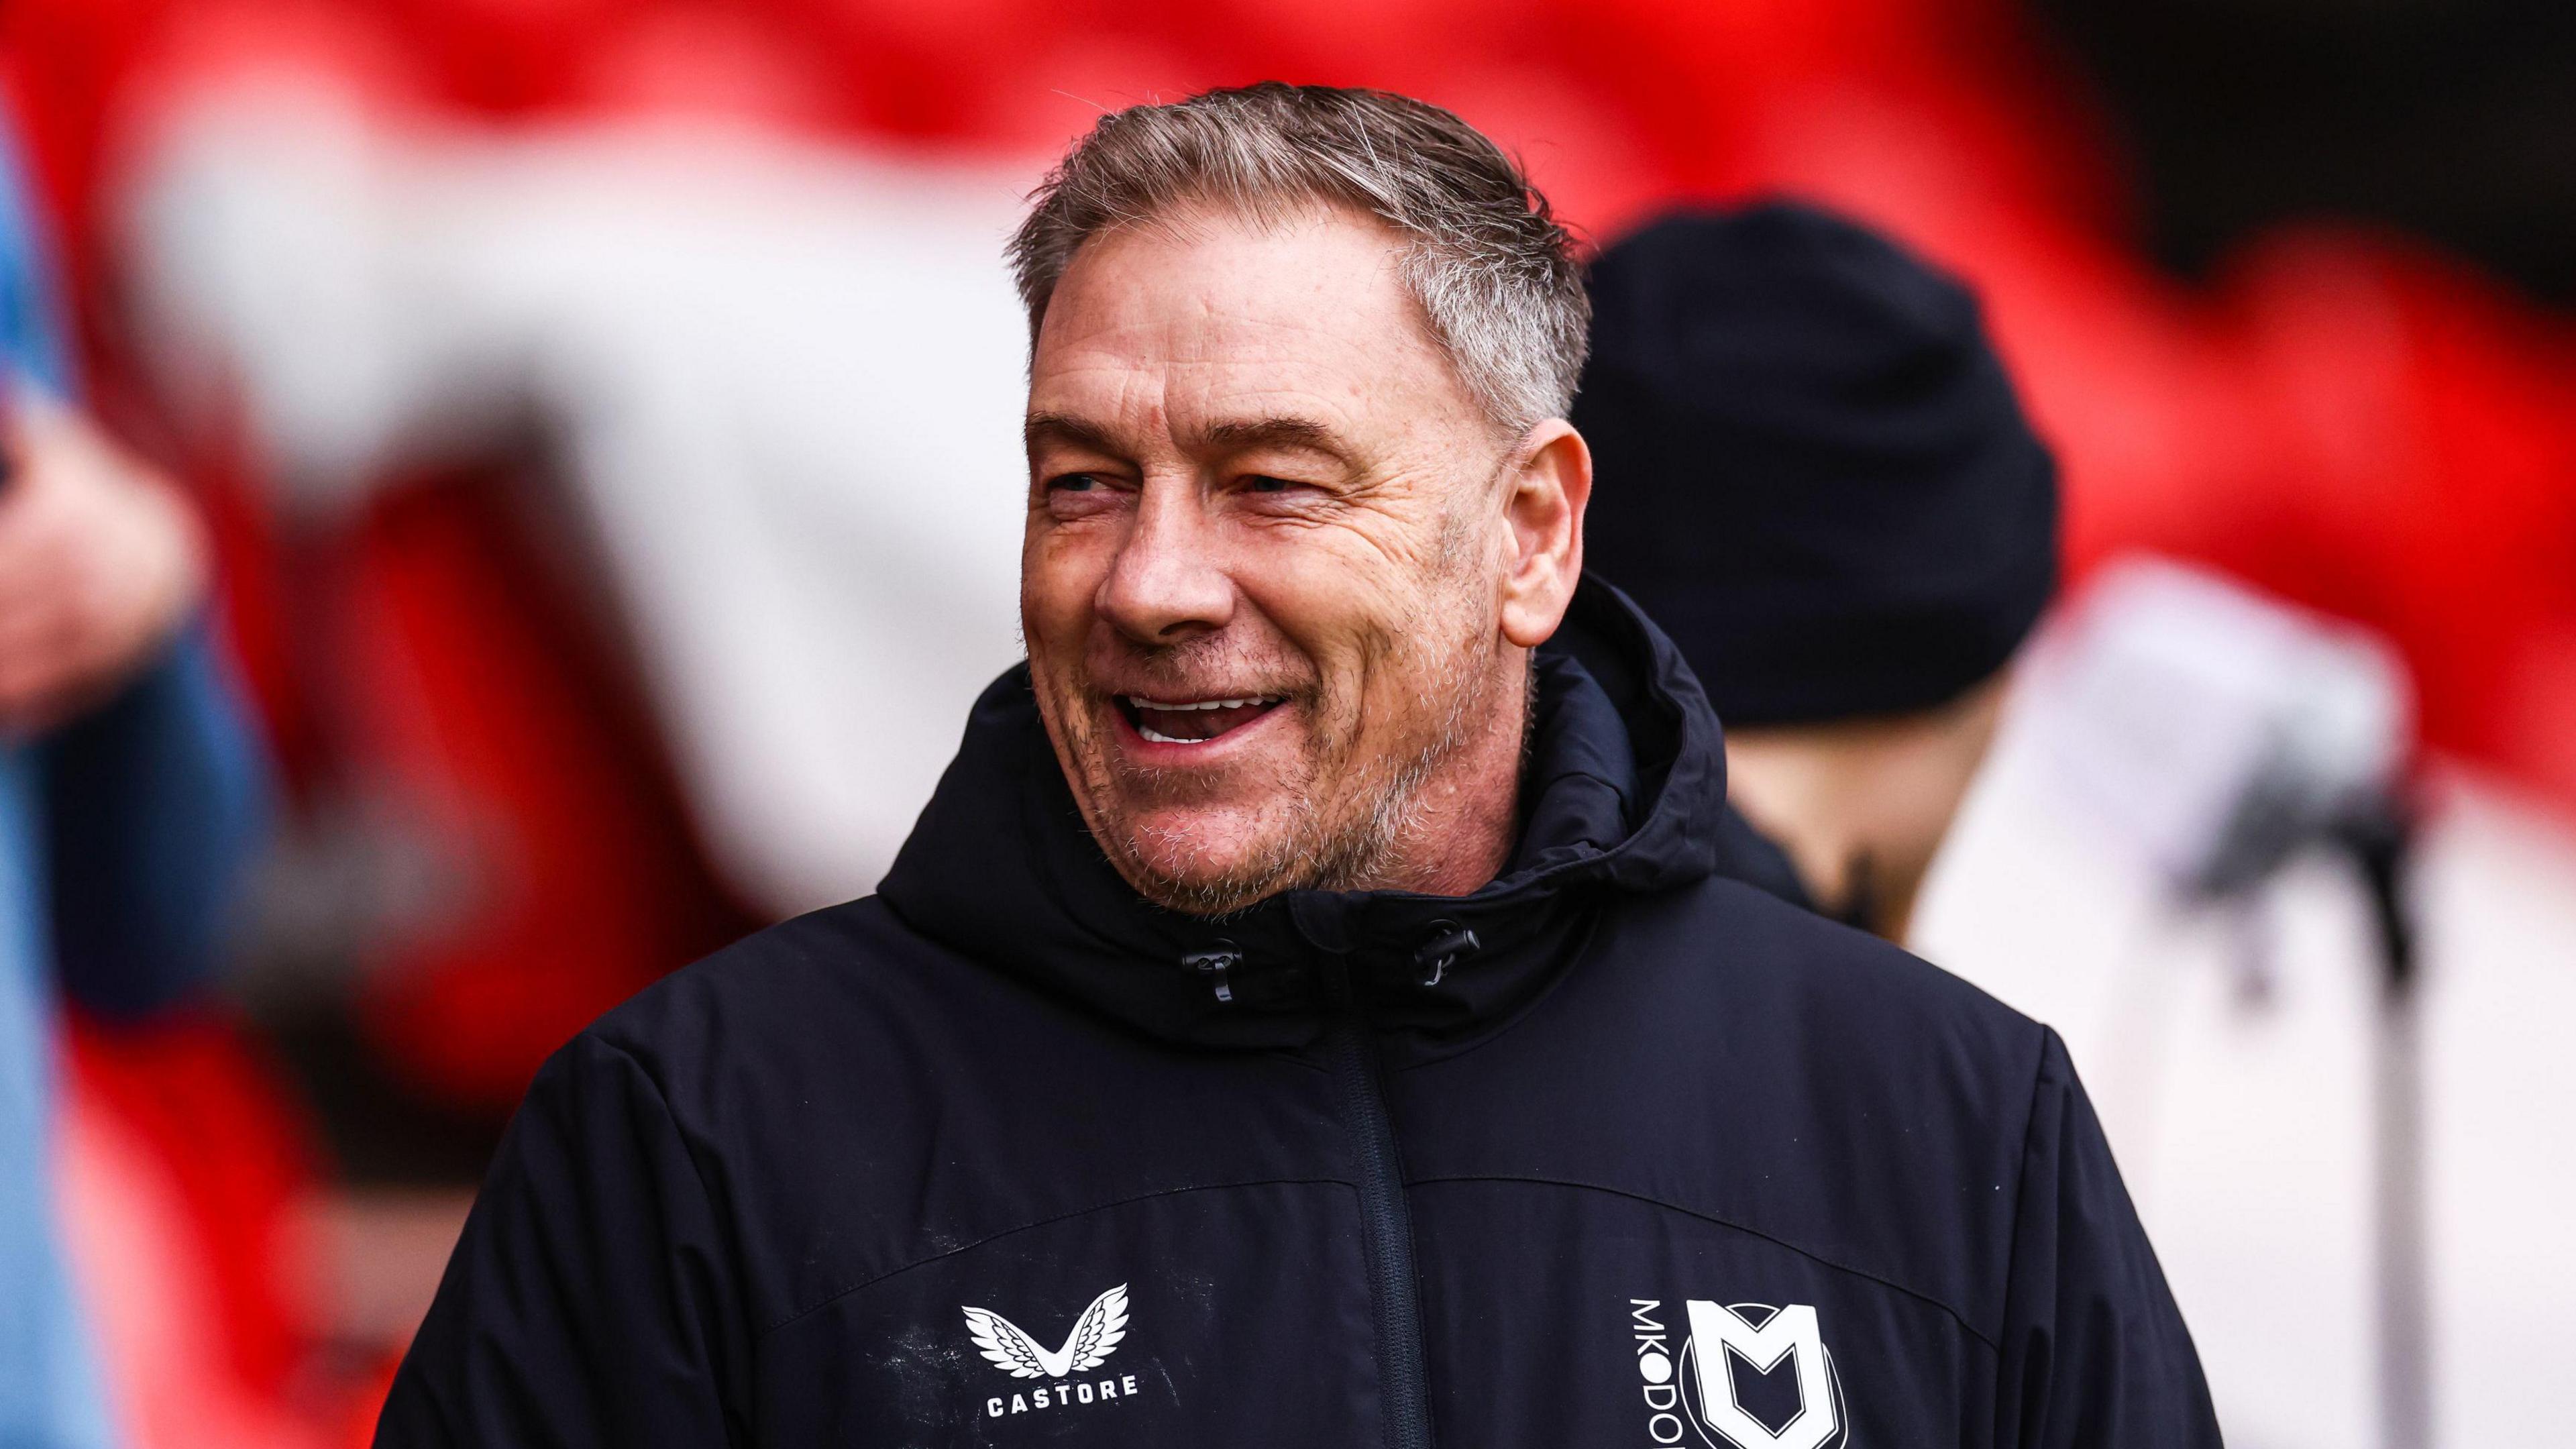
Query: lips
(1192, 722)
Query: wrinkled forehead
(1192, 320)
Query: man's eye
(1073, 483)
(1263, 483)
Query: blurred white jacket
(787, 382)
(2231, 1059)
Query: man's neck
(1878, 794)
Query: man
(1817, 476)
(131, 795)
(1305, 1014)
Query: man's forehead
(1212, 329)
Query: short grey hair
(1494, 271)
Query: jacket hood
(1624, 792)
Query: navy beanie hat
(1810, 467)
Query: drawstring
(1449, 943)
(1214, 963)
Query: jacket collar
(1624, 793)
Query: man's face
(1266, 552)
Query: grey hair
(1493, 270)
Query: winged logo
(1094, 1336)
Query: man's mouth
(1195, 721)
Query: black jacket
(1612, 1152)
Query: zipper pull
(1213, 964)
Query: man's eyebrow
(1276, 432)
(1057, 428)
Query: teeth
(1143, 706)
(1142, 703)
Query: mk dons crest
(1758, 1377)
(1748, 1376)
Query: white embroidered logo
(1732, 1348)
(1095, 1336)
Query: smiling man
(1283, 570)
(1307, 1013)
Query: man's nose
(1167, 584)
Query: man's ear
(1547, 493)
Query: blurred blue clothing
(122, 838)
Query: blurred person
(129, 795)
(614, 433)
(1817, 476)
(1308, 1012)
(743, 353)
(1813, 472)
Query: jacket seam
(697, 1169)
(662, 1099)
(2021, 1178)
(837, 1294)
(1882, 1280)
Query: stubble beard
(1362, 843)
(1313, 837)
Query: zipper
(1386, 1237)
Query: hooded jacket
(1613, 1151)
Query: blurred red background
(2347, 416)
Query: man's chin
(1201, 862)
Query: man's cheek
(1329, 617)
(1056, 626)
(1061, 560)
(1333, 589)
